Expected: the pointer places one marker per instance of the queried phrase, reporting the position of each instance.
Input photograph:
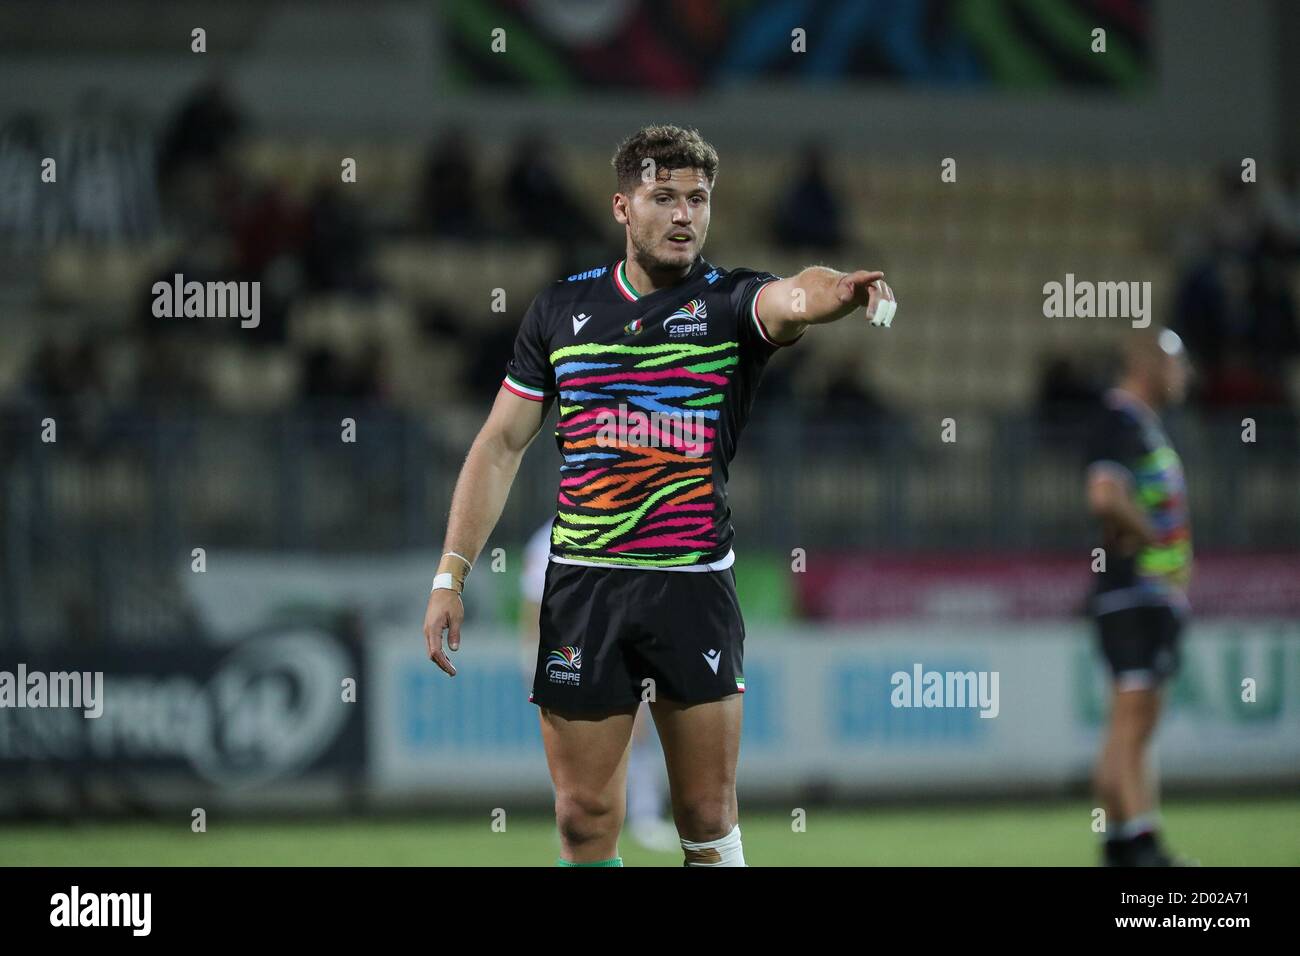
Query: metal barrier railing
(94, 527)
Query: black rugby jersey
(654, 391)
(1129, 441)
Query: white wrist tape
(884, 313)
(444, 581)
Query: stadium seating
(968, 259)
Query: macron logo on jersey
(579, 321)
(712, 656)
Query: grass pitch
(1235, 832)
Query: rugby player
(1135, 488)
(655, 361)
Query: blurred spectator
(335, 255)
(205, 126)
(1068, 392)
(807, 215)
(330, 376)
(541, 205)
(28, 219)
(104, 168)
(1236, 216)
(486, 366)
(68, 377)
(337, 243)
(266, 227)
(1233, 304)
(450, 198)
(1065, 392)
(847, 399)
(195, 174)
(441, 323)
(1236, 381)
(107, 159)
(269, 233)
(66, 381)
(1210, 304)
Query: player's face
(668, 218)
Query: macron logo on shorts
(712, 657)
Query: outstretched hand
(869, 290)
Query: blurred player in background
(645, 790)
(1135, 488)
(639, 592)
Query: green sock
(616, 861)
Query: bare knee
(701, 819)
(1105, 782)
(1122, 755)
(1134, 716)
(585, 816)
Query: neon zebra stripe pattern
(636, 504)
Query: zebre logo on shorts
(564, 665)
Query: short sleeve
(529, 373)
(746, 292)
(1114, 446)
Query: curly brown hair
(668, 147)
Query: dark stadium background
(208, 530)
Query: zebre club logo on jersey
(564, 665)
(689, 320)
